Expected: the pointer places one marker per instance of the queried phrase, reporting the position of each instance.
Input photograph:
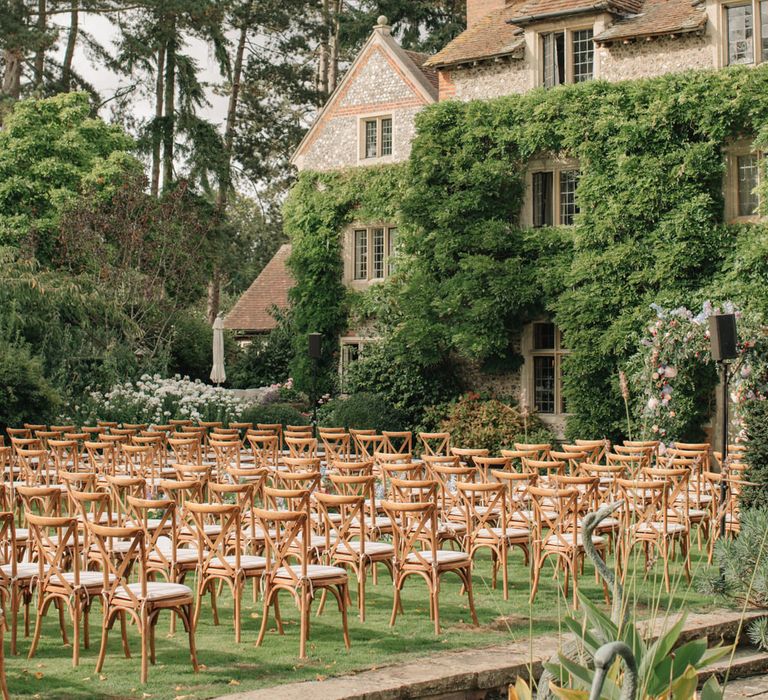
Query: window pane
(386, 137)
(544, 384)
(583, 55)
(740, 34)
(748, 178)
(361, 254)
(569, 179)
(543, 199)
(543, 336)
(350, 353)
(371, 144)
(554, 58)
(391, 250)
(764, 34)
(378, 253)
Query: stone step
(473, 673)
(746, 662)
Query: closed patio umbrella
(218, 375)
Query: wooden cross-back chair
(572, 458)
(363, 485)
(220, 556)
(367, 444)
(71, 590)
(34, 465)
(186, 449)
(351, 468)
(101, 456)
(65, 454)
(414, 536)
(301, 447)
(265, 449)
(299, 464)
(17, 578)
(226, 453)
(337, 445)
(597, 448)
(398, 441)
(633, 464)
(644, 453)
(519, 513)
(556, 533)
(140, 461)
(347, 540)
(516, 457)
(467, 454)
(446, 471)
(143, 600)
(243, 494)
(289, 569)
(542, 449)
(544, 469)
(274, 429)
(435, 444)
(120, 487)
(485, 510)
(485, 465)
(89, 506)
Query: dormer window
(567, 57)
(376, 133)
(746, 32)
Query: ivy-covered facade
(503, 256)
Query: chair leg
(504, 573)
(145, 633)
(191, 631)
(38, 629)
(395, 602)
(15, 602)
(304, 623)
(470, 597)
(435, 594)
(75, 614)
(343, 594)
(3, 684)
(361, 593)
(104, 637)
(265, 615)
(152, 624)
(238, 592)
(124, 635)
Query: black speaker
(315, 345)
(722, 336)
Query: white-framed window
(743, 176)
(376, 137)
(546, 368)
(350, 351)
(553, 193)
(745, 32)
(567, 56)
(373, 255)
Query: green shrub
(266, 360)
(282, 413)
(756, 418)
(25, 394)
(361, 411)
(191, 347)
(405, 384)
(490, 424)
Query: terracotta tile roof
(531, 10)
(492, 36)
(658, 17)
(420, 60)
(270, 288)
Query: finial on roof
(382, 25)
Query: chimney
(477, 9)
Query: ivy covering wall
(650, 228)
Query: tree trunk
(225, 182)
(325, 57)
(13, 60)
(42, 20)
(158, 123)
(69, 54)
(170, 116)
(333, 68)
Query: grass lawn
(230, 668)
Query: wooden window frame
(731, 181)
(556, 166)
(568, 39)
(389, 251)
(344, 363)
(379, 120)
(558, 353)
(757, 31)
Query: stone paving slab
(459, 673)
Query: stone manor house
(512, 46)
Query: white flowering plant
(155, 400)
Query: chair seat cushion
(314, 571)
(210, 529)
(183, 556)
(444, 556)
(371, 548)
(88, 579)
(568, 539)
(511, 532)
(248, 562)
(23, 571)
(156, 590)
(654, 527)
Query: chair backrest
(301, 464)
(644, 452)
(186, 448)
(336, 445)
(139, 460)
(45, 500)
(678, 497)
(274, 429)
(302, 447)
(398, 441)
(226, 453)
(573, 459)
(447, 474)
(265, 448)
(587, 487)
(484, 505)
(65, 453)
(645, 502)
(213, 550)
(598, 448)
(56, 546)
(413, 491)
(367, 443)
(101, 455)
(121, 487)
(286, 533)
(467, 454)
(339, 531)
(544, 468)
(158, 520)
(517, 485)
(487, 464)
(34, 465)
(414, 531)
(350, 468)
(243, 495)
(435, 443)
(406, 470)
(632, 463)
(607, 476)
(8, 552)
(556, 515)
(542, 449)
(118, 564)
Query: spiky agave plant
(663, 669)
